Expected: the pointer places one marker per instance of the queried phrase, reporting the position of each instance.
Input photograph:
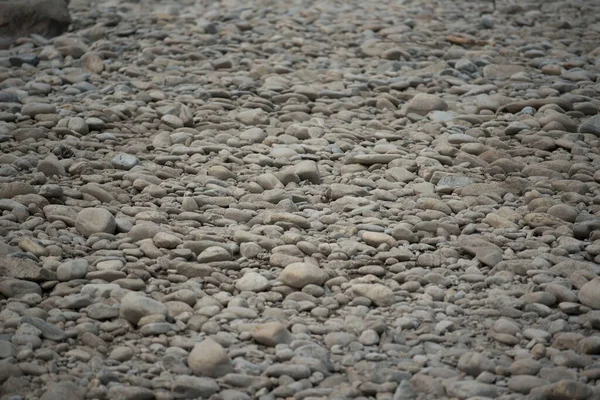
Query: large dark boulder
(19, 18)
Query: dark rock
(19, 18)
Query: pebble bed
(232, 200)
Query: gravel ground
(233, 200)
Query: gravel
(309, 200)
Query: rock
(591, 125)
(424, 103)
(379, 294)
(8, 190)
(253, 117)
(121, 353)
(252, 282)
(47, 330)
(475, 363)
(71, 270)
(300, 274)
(525, 383)
(468, 389)
(271, 334)
(486, 252)
(589, 294)
(124, 161)
(94, 220)
(135, 306)
(191, 387)
(64, 390)
(568, 389)
(208, 358)
(24, 268)
(18, 288)
(51, 166)
(130, 393)
(307, 171)
(214, 254)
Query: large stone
(252, 282)
(568, 390)
(95, 220)
(424, 103)
(474, 363)
(307, 170)
(64, 391)
(19, 18)
(9, 190)
(192, 387)
(253, 117)
(24, 268)
(486, 252)
(72, 269)
(48, 330)
(300, 274)
(271, 334)
(134, 306)
(209, 358)
(467, 389)
(589, 294)
(591, 125)
(379, 294)
(18, 288)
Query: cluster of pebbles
(304, 200)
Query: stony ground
(303, 199)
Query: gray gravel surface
(391, 200)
